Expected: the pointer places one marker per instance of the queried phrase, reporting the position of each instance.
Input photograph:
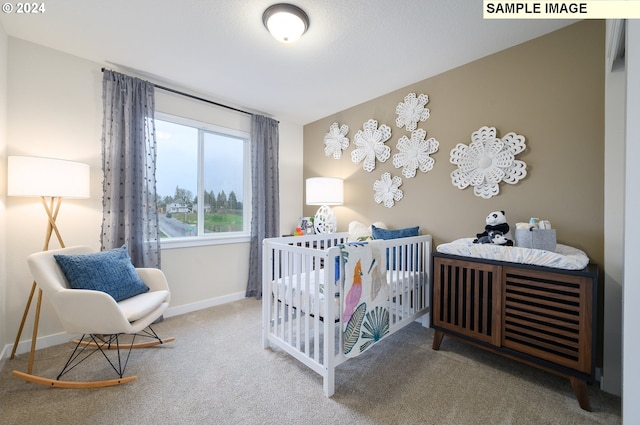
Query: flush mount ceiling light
(285, 22)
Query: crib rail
(293, 314)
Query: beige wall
(550, 90)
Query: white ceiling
(354, 50)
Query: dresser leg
(437, 339)
(580, 389)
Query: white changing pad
(565, 257)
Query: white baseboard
(63, 337)
(42, 342)
(200, 305)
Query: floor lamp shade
(325, 191)
(34, 176)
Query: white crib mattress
(398, 280)
(565, 257)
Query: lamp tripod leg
(24, 319)
(52, 213)
(34, 337)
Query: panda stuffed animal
(494, 237)
(498, 238)
(496, 222)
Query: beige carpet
(216, 372)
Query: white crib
(302, 295)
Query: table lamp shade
(34, 176)
(325, 191)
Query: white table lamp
(325, 191)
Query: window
(202, 175)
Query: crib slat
(311, 298)
(286, 280)
(317, 310)
(297, 289)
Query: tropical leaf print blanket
(365, 316)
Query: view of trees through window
(200, 177)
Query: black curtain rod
(197, 98)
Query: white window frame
(202, 238)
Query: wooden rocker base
(94, 343)
(71, 384)
(125, 346)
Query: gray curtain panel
(265, 198)
(130, 210)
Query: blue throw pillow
(379, 233)
(108, 271)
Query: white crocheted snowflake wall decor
(412, 110)
(335, 141)
(487, 161)
(387, 190)
(370, 145)
(414, 153)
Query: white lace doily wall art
(413, 153)
(387, 190)
(487, 161)
(336, 141)
(369, 145)
(412, 111)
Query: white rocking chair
(98, 317)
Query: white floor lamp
(51, 180)
(325, 191)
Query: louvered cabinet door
(467, 298)
(549, 316)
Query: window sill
(174, 243)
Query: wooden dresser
(541, 316)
